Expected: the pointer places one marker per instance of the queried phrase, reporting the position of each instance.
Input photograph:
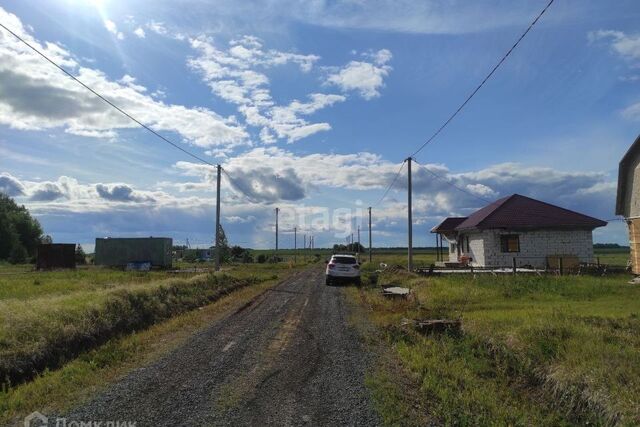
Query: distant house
(198, 254)
(628, 199)
(535, 233)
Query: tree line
(20, 233)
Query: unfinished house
(628, 199)
(521, 229)
(119, 252)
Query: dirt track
(288, 357)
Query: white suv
(342, 267)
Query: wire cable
(234, 187)
(395, 178)
(105, 99)
(493, 70)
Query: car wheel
(358, 282)
(327, 281)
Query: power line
(234, 187)
(614, 219)
(493, 70)
(36, 50)
(395, 178)
(466, 101)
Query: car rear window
(343, 260)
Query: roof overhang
(624, 164)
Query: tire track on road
(286, 357)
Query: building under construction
(119, 252)
(628, 199)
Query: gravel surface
(288, 357)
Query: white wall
(535, 246)
(476, 248)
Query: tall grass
(541, 350)
(54, 321)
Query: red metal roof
(449, 224)
(520, 212)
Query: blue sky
(311, 107)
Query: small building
(199, 254)
(119, 252)
(55, 255)
(628, 199)
(535, 233)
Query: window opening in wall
(510, 243)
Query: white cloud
(233, 75)
(425, 16)
(585, 191)
(113, 29)
(364, 77)
(632, 112)
(67, 193)
(625, 45)
(36, 96)
(157, 27)
(10, 185)
(263, 177)
(139, 32)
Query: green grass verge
(534, 350)
(61, 319)
(58, 390)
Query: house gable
(628, 194)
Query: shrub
(18, 255)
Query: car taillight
(356, 266)
(331, 266)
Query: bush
(18, 255)
(262, 258)
(81, 257)
(190, 256)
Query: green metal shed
(120, 251)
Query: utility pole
(217, 266)
(304, 248)
(358, 242)
(295, 244)
(410, 217)
(277, 211)
(369, 233)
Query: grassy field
(58, 390)
(423, 257)
(613, 256)
(48, 318)
(532, 350)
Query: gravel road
(287, 357)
